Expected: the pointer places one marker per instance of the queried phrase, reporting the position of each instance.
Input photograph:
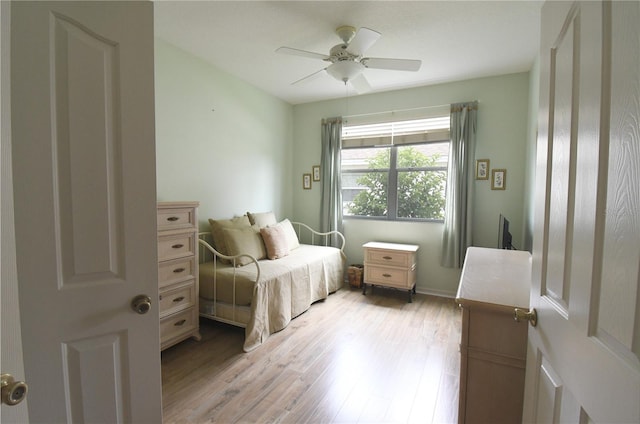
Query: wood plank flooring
(349, 359)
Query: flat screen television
(504, 236)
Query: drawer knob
(178, 270)
(386, 275)
(173, 218)
(387, 258)
(177, 246)
(178, 299)
(179, 323)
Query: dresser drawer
(388, 276)
(178, 324)
(176, 245)
(177, 297)
(170, 272)
(177, 218)
(390, 257)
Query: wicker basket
(355, 273)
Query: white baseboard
(440, 293)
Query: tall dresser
(493, 346)
(178, 272)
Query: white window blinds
(396, 133)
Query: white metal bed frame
(208, 253)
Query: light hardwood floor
(349, 359)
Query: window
(395, 170)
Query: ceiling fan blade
(363, 39)
(393, 64)
(303, 53)
(310, 77)
(360, 84)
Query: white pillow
(244, 240)
(290, 234)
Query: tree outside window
(396, 182)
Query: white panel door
(11, 350)
(85, 208)
(583, 359)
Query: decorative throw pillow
(244, 240)
(275, 241)
(262, 219)
(218, 236)
(290, 234)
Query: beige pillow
(262, 219)
(275, 241)
(290, 234)
(218, 236)
(244, 240)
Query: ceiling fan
(347, 61)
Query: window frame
(392, 182)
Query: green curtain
(331, 202)
(457, 235)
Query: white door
(85, 220)
(583, 359)
(11, 351)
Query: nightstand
(390, 265)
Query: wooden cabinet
(390, 265)
(493, 346)
(178, 272)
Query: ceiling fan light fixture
(345, 70)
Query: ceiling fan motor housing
(339, 53)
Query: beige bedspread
(287, 287)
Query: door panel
(583, 363)
(85, 203)
(618, 297)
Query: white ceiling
(456, 40)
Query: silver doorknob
(531, 316)
(13, 392)
(141, 304)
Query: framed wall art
(482, 169)
(306, 181)
(498, 179)
(316, 172)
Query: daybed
(260, 274)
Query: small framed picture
(498, 179)
(482, 169)
(306, 181)
(316, 172)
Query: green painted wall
(219, 140)
(502, 136)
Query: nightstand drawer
(176, 245)
(177, 324)
(178, 297)
(169, 219)
(170, 272)
(390, 257)
(387, 276)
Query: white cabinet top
(391, 246)
(495, 277)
